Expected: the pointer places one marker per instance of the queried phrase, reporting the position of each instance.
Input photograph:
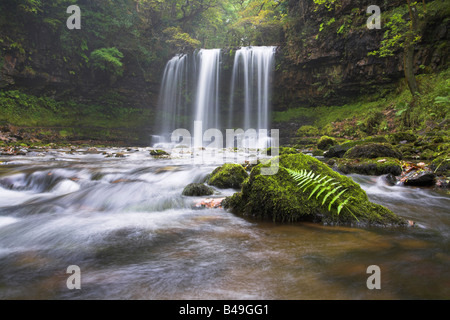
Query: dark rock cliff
(325, 60)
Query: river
(124, 222)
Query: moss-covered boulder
(228, 176)
(371, 167)
(159, 153)
(280, 198)
(338, 151)
(325, 142)
(197, 189)
(372, 151)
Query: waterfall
(252, 71)
(191, 91)
(172, 101)
(207, 99)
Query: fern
(321, 184)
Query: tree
(182, 41)
(403, 34)
(107, 60)
(259, 21)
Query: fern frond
(341, 206)
(330, 193)
(335, 198)
(321, 184)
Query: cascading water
(172, 100)
(199, 80)
(125, 223)
(252, 71)
(207, 99)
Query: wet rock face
(419, 179)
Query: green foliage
(307, 131)
(182, 41)
(22, 109)
(107, 59)
(366, 113)
(394, 37)
(327, 4)
(30, 6)
(444, 101)
(325, 185)
(258, 22)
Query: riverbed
(120, 216)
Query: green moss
(396, 138)
(283, 150)
(300, 143)
(197, 189)
(339, 150)
(325, 142)
(372, 151)
(427, 154)
(372, 167)
(307, 131)
(441, 165)
(279, 198)
(159, 153)
(317, 153)
(228, 176)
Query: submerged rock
(212, 203)
(389, 179)
(280, 198)
(197, 189)
(92, 150)
(228, 176)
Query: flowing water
(173, 104)
(252, 72)
(196, 88)
(124, 222)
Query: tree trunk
(408, 65)
(408, 58)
